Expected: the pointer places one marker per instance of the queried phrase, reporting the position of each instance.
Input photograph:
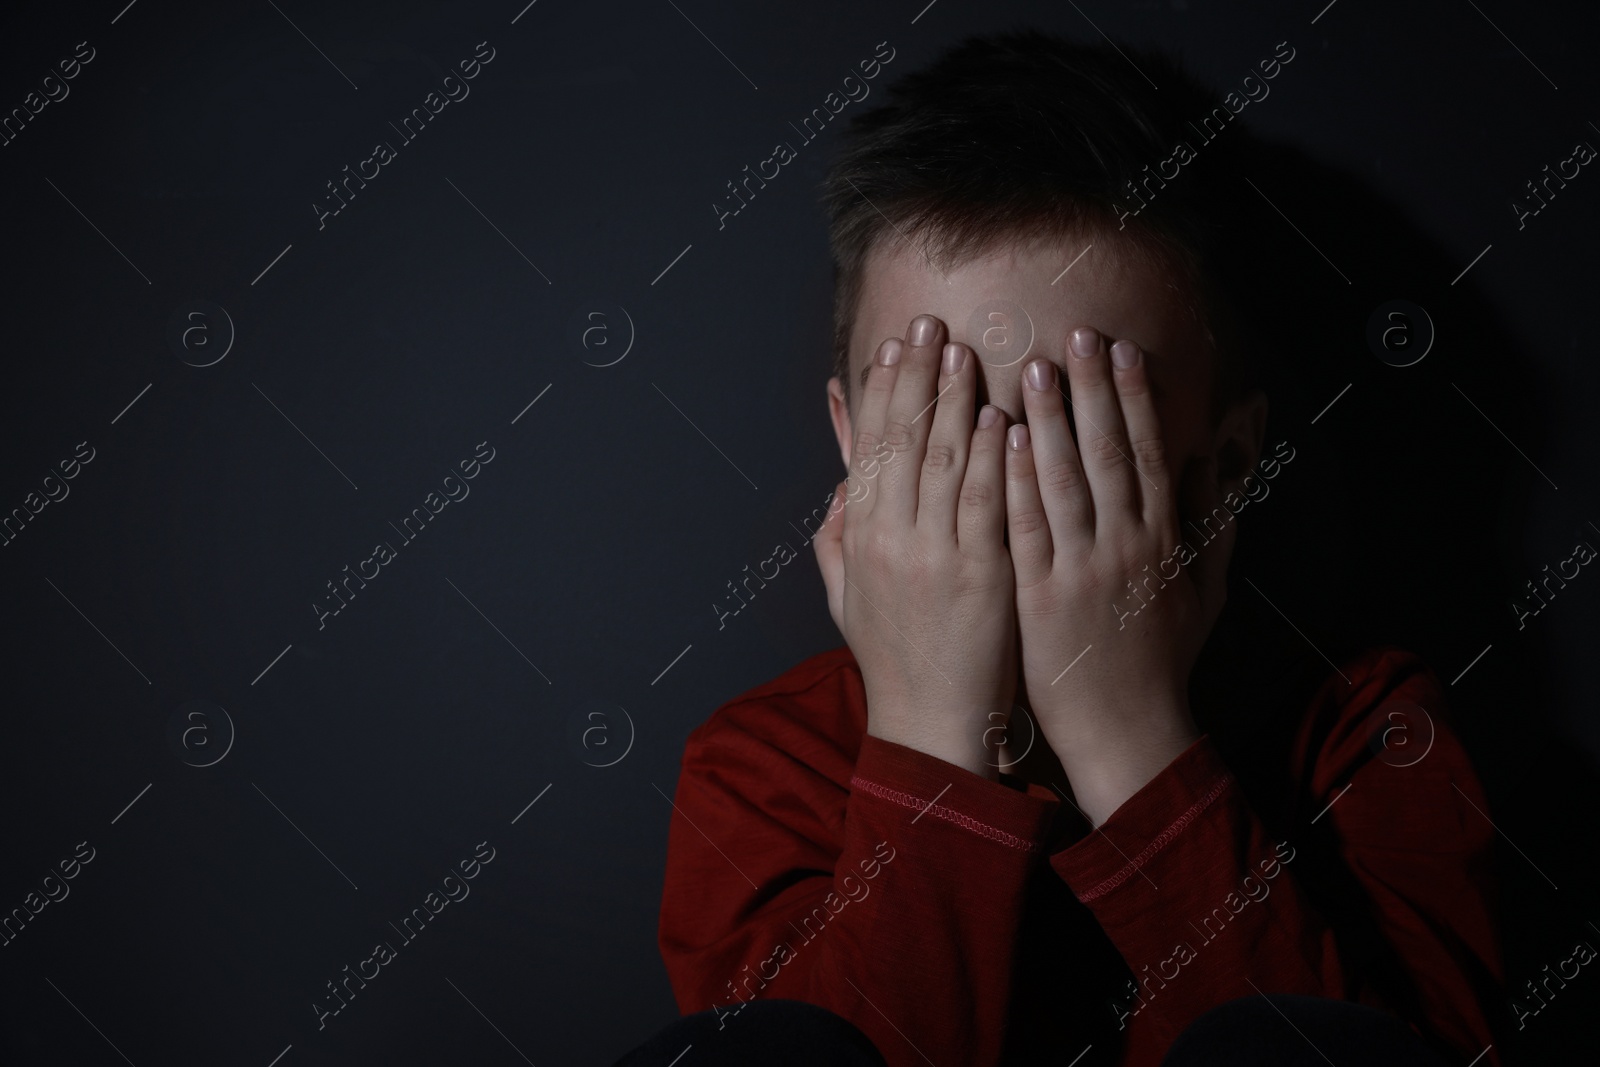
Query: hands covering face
(935, 607)
(914, 559)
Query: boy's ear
(1236, 445)
(839, 411)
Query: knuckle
(898, 435)
(879, 545)
(901, 559)
(1148, 451)
(1095, 588)
(1108, 448)
(866, 443)
(1027, 522)
(939, 459)
(1128, 552)
(1062, 477)
(977, 496)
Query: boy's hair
(1019, 135)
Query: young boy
(990, 829)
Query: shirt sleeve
(887, 888)
(1380, 893)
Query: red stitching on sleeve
(906, 800)
(1161, 841)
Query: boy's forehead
(1025, 298)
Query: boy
(878, 832)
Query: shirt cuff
(935, 794)
(1145, 824)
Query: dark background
(527, 634)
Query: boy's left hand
(1084, 523)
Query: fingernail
(954, 357)
(1018, 437)
(923, 327)
(988, 416)
(1124, 354)
(1041, 374)
(889, 352)
(1085, 341)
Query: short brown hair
(1022, 134)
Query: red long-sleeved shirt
(962, 921)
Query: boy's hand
(918, 577)
(1084, 523)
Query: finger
(1026, 522)
(981, 518)
(1131, 373)
(944, 460)
(909, 418)
(1102, 438)
(828, 543)
(1057, 465)
(867, 447)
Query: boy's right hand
(919, 580)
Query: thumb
(829, 545)
(1202, 499)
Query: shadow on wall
(1407, 519)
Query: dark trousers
(1276, 1031)
(771, 1033)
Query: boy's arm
(887, 889)
(1206, 906)
(1105, 575)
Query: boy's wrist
(1113, 756)
(966, 748)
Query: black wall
(338, 767)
